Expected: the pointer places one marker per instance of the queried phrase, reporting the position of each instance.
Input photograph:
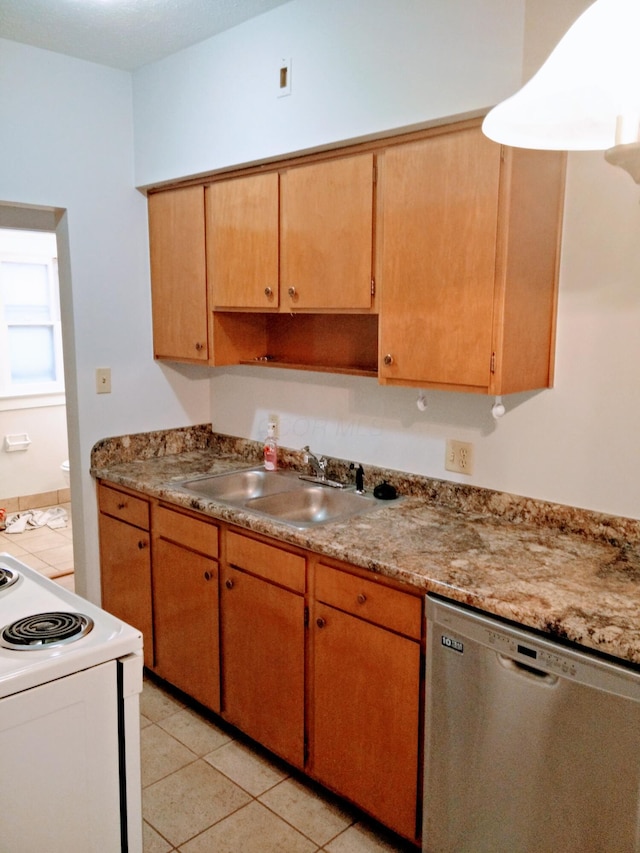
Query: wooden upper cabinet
(298, 240)
(178, 274)
(327, 234)
(461, 234)
(242, 242)
(470, 238)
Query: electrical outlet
(459, 456)
(284, 78)
(275, 420)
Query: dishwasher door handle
(526, 670)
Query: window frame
(21, 392)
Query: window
(30, 331)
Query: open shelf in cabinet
(335, 343)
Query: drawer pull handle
(122, 505)
(142, 544)
(228, 583)
(207, 576)
(320, 622)
(362, 598)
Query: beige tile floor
(48, 551)
(205, 790)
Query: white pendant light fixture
(586, 96)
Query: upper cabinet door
(242, 242)
(327, 235)
(440, 227)
(178, 274)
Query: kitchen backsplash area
(473, 500)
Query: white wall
(37, 469)
(360, 70)
(359, 67)
(67, 142)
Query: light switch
(103, 380)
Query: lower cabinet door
(125, 571)
(365, 717)
(185, 609)
(263, 662)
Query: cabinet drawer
(124, 506)
(266, 561)
(191, 532)
(390, 608)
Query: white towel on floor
(54, 518)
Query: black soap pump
(359, 478)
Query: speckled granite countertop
(570, 573)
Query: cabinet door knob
(291, 292)
(228, 583)
(320, 622)
(207, 576)
(268, 292)
(388, 359)
(361, 598)
(199, 346)
(142, 544)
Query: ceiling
(123, 34)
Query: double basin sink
(280, 495)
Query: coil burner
(45, 630)
(7, 577)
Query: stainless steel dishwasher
(530, 746)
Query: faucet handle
(319, 464)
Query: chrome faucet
(319, 465)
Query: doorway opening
(34, 443)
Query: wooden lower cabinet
(185, 604)
(125, 561)
(365, 716)
(365, 684)
(319, 663)
(263, 645)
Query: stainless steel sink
(237, 487)
(312, 505)
(281, 495)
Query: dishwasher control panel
(530, 653)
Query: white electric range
(70, 682)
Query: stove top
(7, 577)
(45, 629)
(33, 612)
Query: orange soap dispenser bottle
(271, 449)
